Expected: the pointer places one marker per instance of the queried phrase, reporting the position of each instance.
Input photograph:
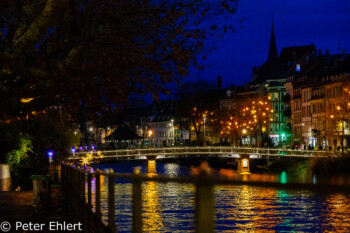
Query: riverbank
(303, 166)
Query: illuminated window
(297, 67)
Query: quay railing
(75, 179)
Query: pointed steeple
(273, 47)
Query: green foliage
(18, 158)
(49, 135)
(32, 139)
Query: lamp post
(204, 128)
(282, 137)
(244, 131)
(50, 155)
(173, 129)
(150, 132)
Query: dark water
(170, 207)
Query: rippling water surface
(169, 207)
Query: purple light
(93, 147)
(50, 154)
(81, 148)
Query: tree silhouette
(88, 56)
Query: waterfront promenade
(16, 206)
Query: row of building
(309, 93)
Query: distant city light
(26, 100)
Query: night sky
(325, 23)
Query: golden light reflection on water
(152, 219)
(169, 207)
(239, 208)
(337, 211)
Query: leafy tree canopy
(73, 53)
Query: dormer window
(297, 68)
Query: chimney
(327, 52)
(219, 83)
(319, 52)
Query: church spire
(273, 48)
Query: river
(169, 207)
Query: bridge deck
(183, 152)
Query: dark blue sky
(325, 23)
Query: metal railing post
(89, 179)
(111, 202)
(204, 210)
(98, 193)
(83, 213)
(137, 203)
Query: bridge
(211, 151)
(243, 154)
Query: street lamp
(282, 137)
(244, 131)
(50, 155)
(150, 132)
(172, 123)
(204, 128)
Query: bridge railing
(80, 200)
(210, 150)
